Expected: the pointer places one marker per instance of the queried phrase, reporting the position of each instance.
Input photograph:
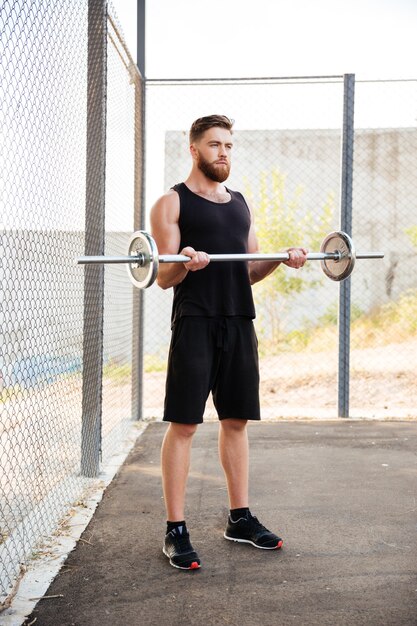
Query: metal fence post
(141, 35)
(346, 226)
(139, 224)
(139, 215)
(94, 238)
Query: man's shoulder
(169, 197)
(172, 192)
(167, 206)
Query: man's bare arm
(166, 232)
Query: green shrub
(412, 234)
(280, 222)
(392, 322)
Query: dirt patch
(304, 384)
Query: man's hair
(199, 127)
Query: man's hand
(298, 256)
(199, 259)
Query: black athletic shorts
(212, 354)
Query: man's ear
(193, 151)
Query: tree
(412, 234)
(281, 222)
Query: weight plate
(342, 268)
(143, 273)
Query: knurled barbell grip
(256, 256)
(140, 259)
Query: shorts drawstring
(223, 335)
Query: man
(213, 345)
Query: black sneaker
(178, 549)
(250, 530)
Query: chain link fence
(384, 294)
(70, 131)
(74, 341)
(287, 160)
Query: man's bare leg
(234, 457)
(242, 527)
(175, 462)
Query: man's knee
(233, 425)
(184, 431)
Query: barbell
(337, 255)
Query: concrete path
(341, 494)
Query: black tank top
(223, 287)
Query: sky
(374, 39)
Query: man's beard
(217, 173)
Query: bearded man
(213, 344)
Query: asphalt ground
(341, 494)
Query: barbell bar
(337, 255)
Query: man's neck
(209, 189)
(200, 184)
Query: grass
(392, 322)
(154, 363)
(120, 372)
(117, 372)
